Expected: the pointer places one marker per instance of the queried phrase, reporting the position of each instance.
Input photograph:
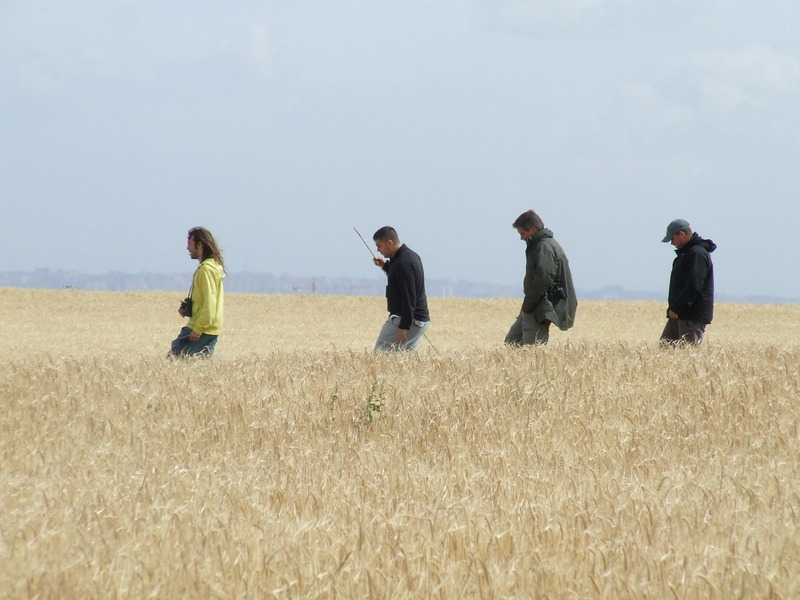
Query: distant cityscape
(267, 283)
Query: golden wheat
(296, 464)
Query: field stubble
(298, 465)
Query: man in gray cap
(691, 285)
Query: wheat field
(296, 464)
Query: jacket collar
(538, 237)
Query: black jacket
(691, 285)
(405, 288)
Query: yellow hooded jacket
(207, 298)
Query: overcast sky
(282, 125)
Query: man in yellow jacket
(204, 304)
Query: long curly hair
(201, 235)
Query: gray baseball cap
(674, 227)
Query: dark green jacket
(546, 266)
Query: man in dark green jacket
(549, 292)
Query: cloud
(543, 15)
(589, 16)
(260, 50)
(691, 101)
(754, 76)
(638, 120)
(641, 99)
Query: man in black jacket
(405, 293)
(691, 285)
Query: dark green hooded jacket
(546, 268)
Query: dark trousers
(526, 331)
(681, 331)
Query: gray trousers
(681, 331)
(526, 331)
(386, 338)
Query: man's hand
(402, 336)
(672, 315)
(194, 336)
(379, 262)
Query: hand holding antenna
(379, 262)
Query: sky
(281, 126)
